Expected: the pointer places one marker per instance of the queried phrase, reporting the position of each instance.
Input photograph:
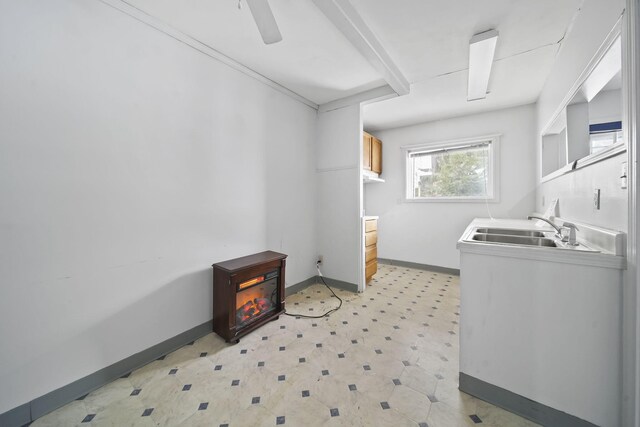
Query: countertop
(561, 255)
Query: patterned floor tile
(389, 356)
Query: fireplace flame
(250, 304)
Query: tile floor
(388, 357)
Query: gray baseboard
(527, 408)
(55, 399)
(434, 268)
(51, 401)
(17, 416)
(345, 286)
(300, 286)
(334, 283)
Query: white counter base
(548, 331)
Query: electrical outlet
(596, 199)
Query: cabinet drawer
(370, 253)
(370, 225)
(371, 238)
(371, 268)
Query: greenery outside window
(463, 170)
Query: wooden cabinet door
(366, 151)
(376, 155)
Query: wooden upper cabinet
(376, 155)
(372, 153)
(366, 151)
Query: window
(603, 135)
(464, 170)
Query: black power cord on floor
(333, 310)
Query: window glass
(463, 171)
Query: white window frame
(493, 184)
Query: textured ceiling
(427, 40)
(313, 59)
(430, 43)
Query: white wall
(577, 131)
(606, 107)
(575, 190)
(339, 192)
(427, 232)
(290, 163)
(575, 194)
(554, 152)
(129, 163)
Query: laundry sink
(515, 240)
(522, 237)
(510, 232)
(518, 285)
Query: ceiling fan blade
(265, 21)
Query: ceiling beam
(346, 19)
(377, 94)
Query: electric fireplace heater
(247, 293)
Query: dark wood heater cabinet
(247, 293)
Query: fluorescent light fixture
(482, 48)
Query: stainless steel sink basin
(515, 240)
(522, 237)
(510, 232)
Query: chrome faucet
(558, 229)
(569, 238)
